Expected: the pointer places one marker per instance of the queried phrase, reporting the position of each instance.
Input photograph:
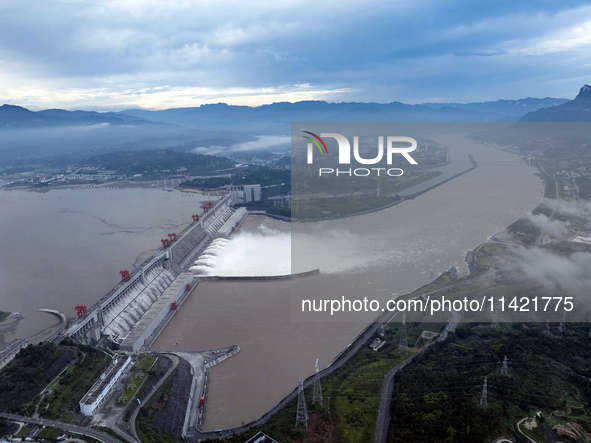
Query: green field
(146, 362)
(132, 386)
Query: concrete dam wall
(119, 311)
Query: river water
(66, 247)
(384, 254)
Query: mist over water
(263, 252)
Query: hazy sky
(106, 54)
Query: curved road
(61, 327)
(383, 420)
(101, 436)
(132, 427)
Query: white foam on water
(262, 253)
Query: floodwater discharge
(387, 253)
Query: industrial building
(245, 193)
(101, 389)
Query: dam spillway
(130, 303)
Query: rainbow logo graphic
(316, 142)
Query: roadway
(132, 419)
(89, 432)
(54, 336)
(383, 420)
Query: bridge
(53, 338)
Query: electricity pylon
(317, 397)
(483, 399)
(403, 347)
(504, 369)
(302, 414)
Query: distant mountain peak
(6, 106)
(585, 92)
(576, 110)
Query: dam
(133, 310)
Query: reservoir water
(387, 253)
(66, 247)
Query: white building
(101, 388)
(245, 193)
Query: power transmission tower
(302, 414)
(504, 369)
(562, 326)
(483, 400)
(563, 323)
(547, 326)
(317, 388)
(495, 323)
(403, 348)
(589, 333)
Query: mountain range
(18, 117)
(276, 117)
(577, 110)
(27, 136)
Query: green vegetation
(154, 163)
(153, 374)
(273, 181)
(139, 373)
(7, 427)
(445, 279)
(132, 386)
(146, 362)
(3, 315)
(49, 433)
(24, 431)
(351, 395)
(146, 431)
(73, 384)
(437, 396)
(63, 372)
(330, 208)
(29, 372)
(306, 182)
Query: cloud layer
(158, 54)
